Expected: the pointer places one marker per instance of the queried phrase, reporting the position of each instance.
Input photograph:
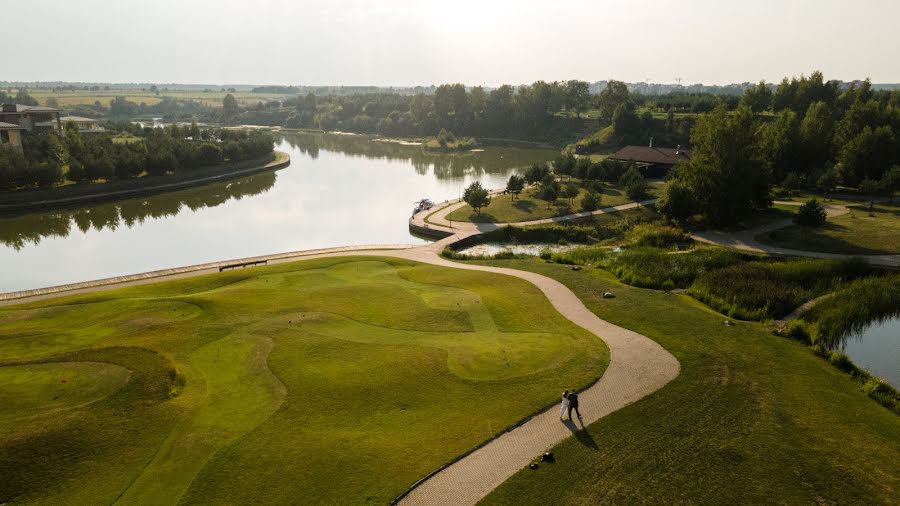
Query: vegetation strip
(139, 187)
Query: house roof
(20, 108)
(661, 156)
(10, 126)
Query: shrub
(676, 202)
(654, 267)
(657, 236)
(811, 214)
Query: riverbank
(26, 201)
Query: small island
(446, 142)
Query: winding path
(638, 366)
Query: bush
(654, 267)
(676, 202)
(811, 214)
(657, 236)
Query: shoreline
(135, 187)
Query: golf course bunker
(271, 384)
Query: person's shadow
(580, 433)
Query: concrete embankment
(37, 200)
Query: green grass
(752, 418)
(856, 233)
(343, 380)
(527, 207)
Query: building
(10, 136)
(84, 125)
(31, 117)
(653, 162)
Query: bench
(243, 264)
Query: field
(345, 380)
(84, 97)
(856, 233)
(527, 207)
(752, 418)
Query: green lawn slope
(752, 418)
(333, 381)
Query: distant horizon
(364, 43)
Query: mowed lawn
(327, 381)
(859, 232)
(752, 418)
(527, 206)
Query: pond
(876, 348)
(339, 190)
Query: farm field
(272, 384)
(750, 419)
(83, 97)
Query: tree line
(49, 159)
(805, 132)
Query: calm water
(339, 190)
(877, 348)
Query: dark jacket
(573, 399)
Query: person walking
(573, 404)
(564, 405)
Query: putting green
(340, 380)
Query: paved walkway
(638, 366)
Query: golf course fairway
(344, 379)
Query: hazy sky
(409, 42)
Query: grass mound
(275, 383)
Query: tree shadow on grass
(580, 433)
(482, 218)
(525, 206)
(795, 237)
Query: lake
(877, 349)
(339, 190)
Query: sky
(423, 42)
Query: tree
(569, 191)
(154, 89)
(727, 176)
(781, 143)
(229, 107)
(536, 173)
(758, 98)
(549, 192)
(590, 202)
(811, 214)
(890, 182)
(870, 188)
(477, 197)
(23, 98)
(867, 155)
(637, 189)
(676, 202)
(816, 132)
(515, 185)
(791, 183)
(827, 182)
(615, 94)
(578, 96)
(625, 122)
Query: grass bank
(860, 232)
(275, 383)
(527, 206)
(752, 418)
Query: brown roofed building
(10, 136)
(653, 161)
(30, 117)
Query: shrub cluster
(657, 268)
(760, 290)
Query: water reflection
(495, 160)
(874, 346)
(339, 190)
(19, 231)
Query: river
(339, 190)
